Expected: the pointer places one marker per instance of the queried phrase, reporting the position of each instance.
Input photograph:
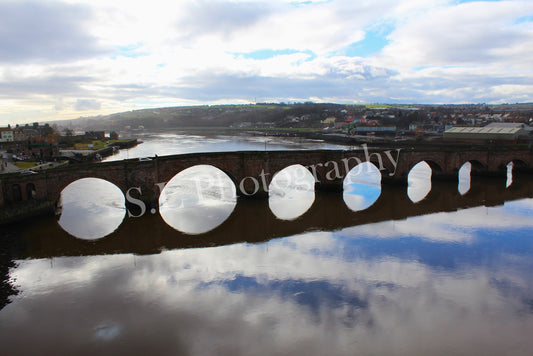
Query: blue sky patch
(466, 1)
(270, 53)
(305, 3)
(131, 51)
(313, 294)
(374, 42)
(524, 19)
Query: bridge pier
(140, 200)
(522, 185)
(251, 189)
(394, 181)
(489, 174)
(336, 185)
(445, 177)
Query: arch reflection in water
(198, 199)
(291, 192)
(419, 182)
(509, 181)
(91, 208)
(464, 178)
(362, 186)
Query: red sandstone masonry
(240, 165)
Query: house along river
(420, 270)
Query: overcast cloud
(40, 31)
(63, 59)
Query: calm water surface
(162, 144)
(375, 270)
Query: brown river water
(427, 269)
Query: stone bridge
(252, 221)
(252, 171)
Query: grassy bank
(25, 165)
(96, 144)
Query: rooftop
(484, 130)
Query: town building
(6, 134)
(492, 132)
(330, 121)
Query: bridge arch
(30, 191)
(91, 208)
(197, 199)
(362, 186)
(366, 171)
(436, 167)
(419, 180)
(123, 174)
(513, 169)
(297, 172)
(316, 171)
(265, 178)
(16, 192)
(291, 192)
(465, 173)
(169, 174)
(229, 175)
(69, 182)
(64, 181)
(319, 175)
(464, 178)
(518, 164)
(476, 166)
(175, 173)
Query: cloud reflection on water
(362, 186)
(91, 208)
(198, 199)
(179, 143)
(464, 178)
(509, 180)
(291, 192)
(419, 182)
(386, 288)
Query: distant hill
(212, 116)
(297, 115)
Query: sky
(72, 58)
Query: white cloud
(475, 33)
(129, 53)
(51, 32)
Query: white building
(6, 135)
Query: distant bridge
(252, 171)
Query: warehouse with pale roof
(491, 132)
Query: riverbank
(429, 142)
(111, 148)
(310, 133)
(96, 155)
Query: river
(436, 268)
